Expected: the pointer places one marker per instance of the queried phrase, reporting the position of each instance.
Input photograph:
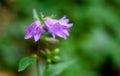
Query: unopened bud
(49, 61)
(56, 58)
(52, 40)
(57, 50)
(35, 56)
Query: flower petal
(28, 35)
(64, 20)
(66, 32)
(61, 34)
(36, 37)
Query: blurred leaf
(58, 68)
(25, 62)
(35, 15)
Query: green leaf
(56, 69)
(35, 15)
(25, 62)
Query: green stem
(37, 66)
(38, 60)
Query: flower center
(35, 29)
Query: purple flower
(58, 27)
(35, 30)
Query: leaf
(25, 62)
(56, 69)
(35, 15)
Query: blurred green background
(94, 40)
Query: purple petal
(27, 28)
(61, 34)
(28, 35)
(68, 25)
(36, 37)
(66, 32)
(51, 21)
(64, 20)
(47, 24)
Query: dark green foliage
(25, 62)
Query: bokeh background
(94, 41)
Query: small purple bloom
(58, 27)
(35, 30)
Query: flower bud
(52, 40)
(56, 58)
(49, 61)
(35, 56)
(57, 50)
